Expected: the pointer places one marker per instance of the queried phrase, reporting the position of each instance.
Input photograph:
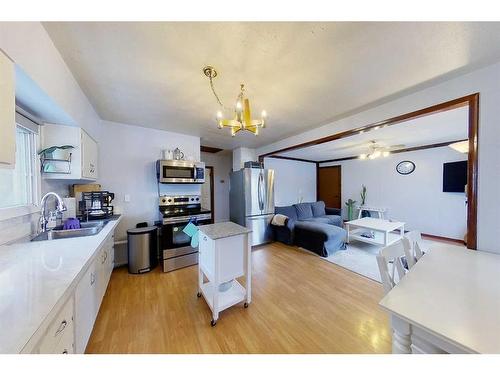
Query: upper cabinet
(77, 163)
(7, 113)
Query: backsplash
(16, 228)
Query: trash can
(142, 249)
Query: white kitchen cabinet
(7, 113)
(89, 156)
(87, 300)
(84, 156)
(90, 292)
(106, 264)
(59, 337)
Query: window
(19, 186)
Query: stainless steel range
(176, 212)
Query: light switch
(126, 198)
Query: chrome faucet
(60, 207)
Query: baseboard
(461, 242)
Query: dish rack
(96, 205)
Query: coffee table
(381, 229)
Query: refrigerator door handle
(261, 198)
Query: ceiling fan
(376, 150)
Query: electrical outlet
(126, 198)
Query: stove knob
(197, 199)
(163, 200)
(169, 200)
(192, 199)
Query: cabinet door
(87, 300)
(89, 157)
(7, 113)
(207, 255)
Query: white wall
(222, 163)
(127, 155)
(294, 181)
(241, 155)
(416, 199)
(486, 81)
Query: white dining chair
(390, 265)
(413, 247)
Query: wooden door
(329, 186)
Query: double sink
(86, 229)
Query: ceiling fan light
(238, 106)
(264, 113)
(376, 154)
(385, 154)
(362, 156)
(462, 146)
(219, 114)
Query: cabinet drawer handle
(65, 351)
(61, 328)
(92, 279)
(204, 238)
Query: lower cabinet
(70, 330)
(87, 301)
(90, 292)
(59, 337)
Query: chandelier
(242, 118)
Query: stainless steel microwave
(180, 172)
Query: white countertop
(453, 293)
(223, 230)
(34, 276)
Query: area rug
(360, 257)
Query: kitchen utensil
(178, 154)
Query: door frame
(472, 101)
(317, 180)
(212, 197)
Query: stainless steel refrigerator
(251, 201)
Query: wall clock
(405, 167)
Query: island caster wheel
(198, 294)
(245, 305)
(213, 323)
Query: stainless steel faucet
(60, 207)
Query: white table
(449, 302)
(225, 253)
(381, 228)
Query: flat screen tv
(455, 177)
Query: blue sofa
(312, 226)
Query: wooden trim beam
(408, 149)
(441, 107)
(289, 158)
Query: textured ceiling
(437, 128)
(303, 74)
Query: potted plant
(350, 208)
(363, 201)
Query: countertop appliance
(176, 212)
(142, 249)
(95, 205)
(180, 172)
(251, 201)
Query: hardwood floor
(300, 304)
